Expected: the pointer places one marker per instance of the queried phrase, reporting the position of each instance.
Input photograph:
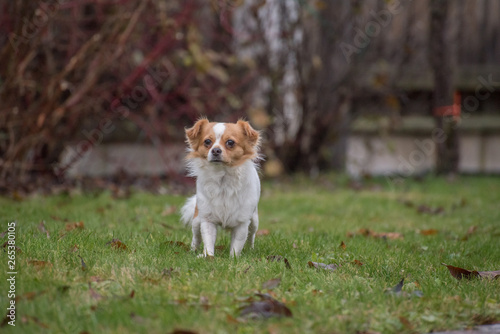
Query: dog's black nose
(216, 151)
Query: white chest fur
(227, 195)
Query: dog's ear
(193, 134)
(252, 135)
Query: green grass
(307, 222)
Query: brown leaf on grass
(317, 292)
(405, 322)
(369, 233)
(271, 284)
(231, 320)
(470, 232)
(72, 226)
(43, 229)
(183, 331)
(343, 245)
(75, 248)
(179, 244)
(278, 258)
(117, 244)
(56, 218)
(267, 307)
(407, 203)
(319, 265)
(460, 273)
(428, 210)
(263, 232)
(431, 231)
(132, 294)
(357, 262)
(29, 295)
(6, 244)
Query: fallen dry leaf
(405, 322)
(431, 231)
(343, 245)
(271, 284)
(117, 244)
(318, 265)
(357, 262)
(262, 232)
(460, 273)
(470, 232)
(231, 320)
(183, 331)
(178, 244)
(30, 295)
(72, 226)
(428, 210)
(278, 258)
(369, 233)
(56, 218)
(18, 249)
(267, 307)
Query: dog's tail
(188, 211)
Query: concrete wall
(137, 159)
(366, 154)
(413, 155)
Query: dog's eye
(230, 143)
(207, 142)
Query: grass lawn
(78, 281)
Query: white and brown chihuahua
(222, 157)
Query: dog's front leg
(238, 237)
(208, 234)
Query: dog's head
(230, 144)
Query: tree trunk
(442, 104)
